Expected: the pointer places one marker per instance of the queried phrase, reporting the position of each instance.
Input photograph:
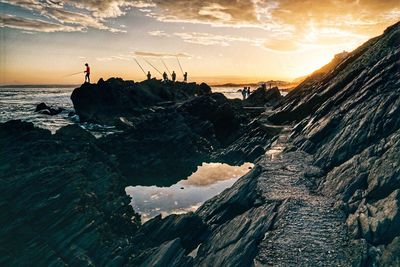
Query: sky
(45, 41)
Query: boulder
(262, 97)
(44, 109)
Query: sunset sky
(43, 41)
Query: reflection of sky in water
(209, 180)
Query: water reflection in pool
(209, 180)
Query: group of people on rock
(246, 92)
(165, 75)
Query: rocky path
(307, 231)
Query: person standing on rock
(244, 92)
(173, 76)
(185, 77)
(87, 71)
(148, 75)
(165, 76)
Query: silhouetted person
(165, 76)
(244, 92)
(173, 76)
(248, 91)
(148, 75)
(87, 71)
(264, 86)
(185, 77)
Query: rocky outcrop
(205, 128)
(263, 97)
(107, 100)
(348, 119)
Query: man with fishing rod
(87, 71)
(87, 75)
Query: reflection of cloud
(210, 173)
(160, 54)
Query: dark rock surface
(263, 97)
(63, 194)
(62, 199)
(349, 120)
(45, 109)
(107, 100)
(205, 128)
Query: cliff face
(349, 120)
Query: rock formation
(325, 193)
(45, 109)
(349, 120)
(262, 97)
(104, 101)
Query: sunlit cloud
(158, 33)
(35, 25)
(214, 39)
(290, 21)
(73, 15)
(160, 54)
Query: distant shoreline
(39, 86)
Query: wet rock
(44, 109)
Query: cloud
(35, 25)
(213, 12)
(214, 39)
(74, 15)
(283, 20)
(158, 33)
(160, 54)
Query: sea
(20, 103)
(210, 178)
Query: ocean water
(20, 104)
(233, 92)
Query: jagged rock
(44, 109)
(62, 200)
(349, 119)
(170, 253)
(262, 97)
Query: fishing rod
(76, 73)
(165, 66)
(180, 65)
(140, 66)
(152, 66)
